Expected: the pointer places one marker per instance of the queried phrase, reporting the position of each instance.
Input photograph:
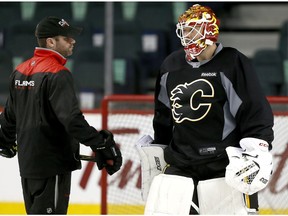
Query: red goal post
(130, 116)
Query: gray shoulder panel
(163, 96)
(231, 107)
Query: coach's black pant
(47, 195)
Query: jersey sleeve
(254, 117)
(8, 119)
(65, 105)
(162, 121)
(7, 127)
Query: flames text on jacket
(24, 83)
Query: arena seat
(10, 12)
(269, 68)
(95, 14)
(269, 64)
(20, 38)
(154, 15)
(58, 9)
(88, 73)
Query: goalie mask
(197, 28)
(248, 173)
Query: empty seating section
(20, 38)
(6, 67)
(269, 64)
(88, 72)
(143, 35)
(59, 9)
(269, 67)
(154, 15)
(95, 14)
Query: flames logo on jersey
(189, 100)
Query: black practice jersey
(203, 107)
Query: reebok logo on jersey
(209, 74)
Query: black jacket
(43, 111)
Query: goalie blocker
(152, 162)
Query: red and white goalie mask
(197, 28)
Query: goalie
(211, 113)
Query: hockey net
(130, 116)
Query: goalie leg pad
(216, 197)
(169, 194)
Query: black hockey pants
(47, 195)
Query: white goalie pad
(152, 162)
(248, 172)
(216, 197)
(169, 195)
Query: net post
(104, 185)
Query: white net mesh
(128, 121)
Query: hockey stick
(88, 158)
(93, 159)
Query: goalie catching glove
(250, 167)
(8, 151)
(108, 151)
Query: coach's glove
(108, 151)
(8, 151)
(250, 166)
